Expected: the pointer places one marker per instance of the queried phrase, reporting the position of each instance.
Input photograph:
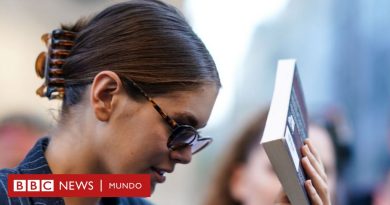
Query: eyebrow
(186, 119)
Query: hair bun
(48, 65)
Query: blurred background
(343, 54)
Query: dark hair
(147, 41)
(238, 154)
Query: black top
(35, 163)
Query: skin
(322, 142)
(108, 132)
(381, 194)
(256, 183)
(316, 186)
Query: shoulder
(4, 178)
(134, 201)
(4, 199)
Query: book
(286, 130)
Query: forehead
(189, 107)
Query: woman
(136, 84)
(246, 176)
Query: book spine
(296, 128)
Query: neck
(71, 149)
(66, 157)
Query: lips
(159, 174)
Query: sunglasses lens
(187, 136)
(181, 137)
(200, 144)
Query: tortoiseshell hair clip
(49, 64)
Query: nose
(182, 155)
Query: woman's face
(255, 182)
(135, 138)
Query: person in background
(246, 176)
(18, 133)
(381, 195)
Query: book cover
(286, 130)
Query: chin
(152, 186)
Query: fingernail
(307, 148)
(305, 159)
(309, 185)
(309, 182)
(312, 187)
(304, 150)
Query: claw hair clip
(48, 65)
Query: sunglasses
(181, 135)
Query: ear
(106, 85)
(237, 183)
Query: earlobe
(105, 86)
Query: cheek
(133, 147)
(263, 180)
(263, 177)
(147, 146)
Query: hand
(316, 186)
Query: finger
(320, 185)
(312, 149)
(315, 163)
(313, 195)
